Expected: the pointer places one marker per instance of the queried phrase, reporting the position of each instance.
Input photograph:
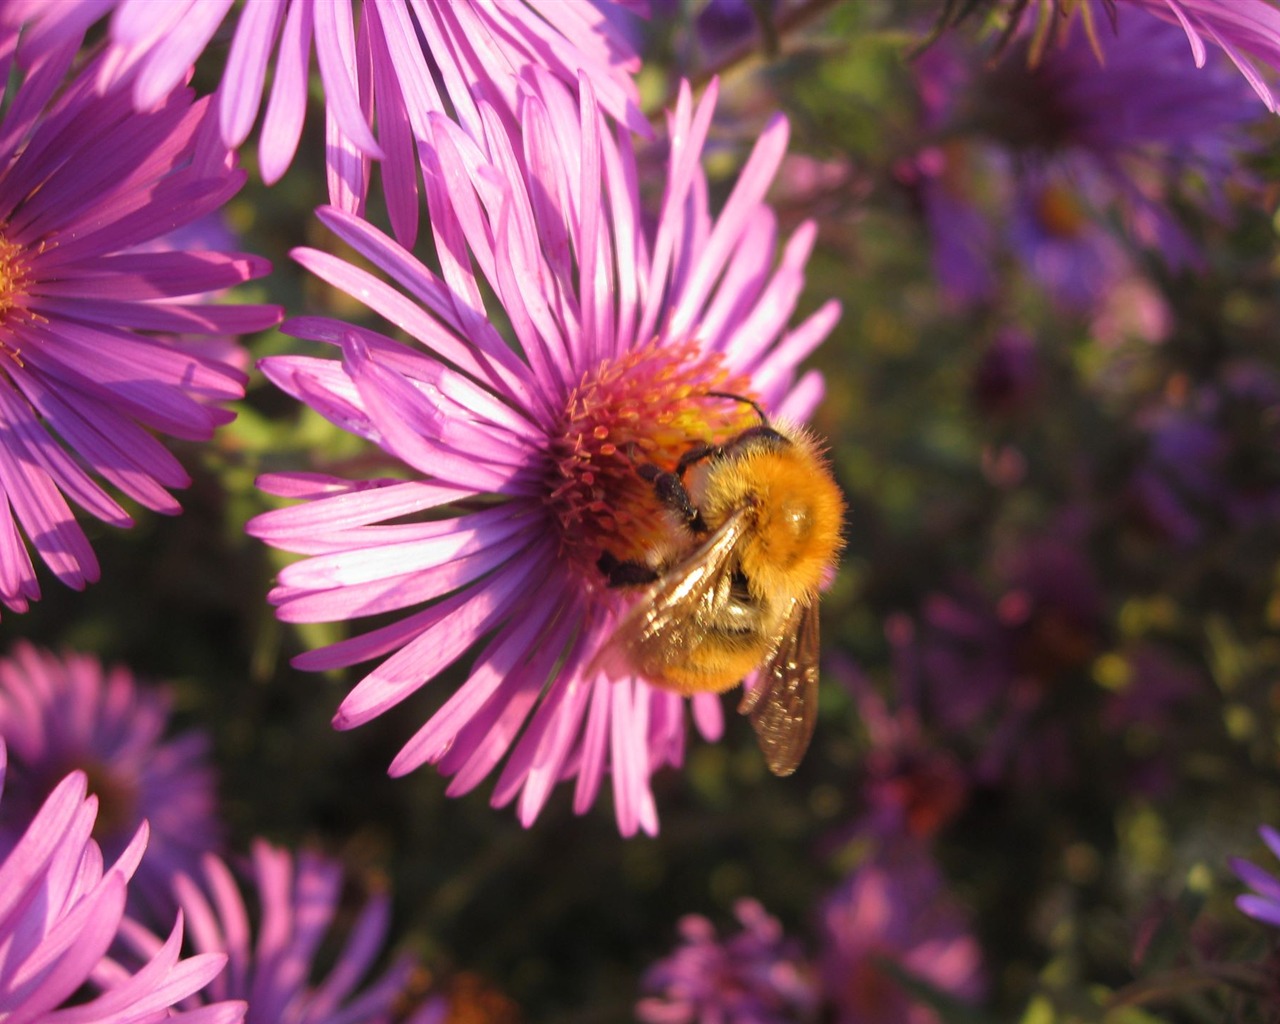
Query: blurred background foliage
(1087, 839)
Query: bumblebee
(757, 525)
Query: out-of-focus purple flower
(986, 666)
(1151, 691)
(60, 714)
(1243, 29)
(758, 976)
(1177, 474)
(895, 914)
(90, 370)
(1058, 234)
(723, 24)
(912, 786)
(1211, 458)
(958, 658)
(391, 62)
(1007, 379)
(60, 910)
(1052, 604)
(963, 237)
(1074, 143)
(522, 452)
(725, 27)
(945, 183)
(271, 947)
(1263, 903)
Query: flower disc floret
(649, 405)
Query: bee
(757, 530)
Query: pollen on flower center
(13, 275)
(649, 406)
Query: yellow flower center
(1059, 212)
(14, 278)
(650, 406)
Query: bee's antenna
(744, 400)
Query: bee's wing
(670, 614)
(783, 704)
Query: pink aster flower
(271, 944)
(60, 714)
(521, 449)
(1263, 903)
(60, 910)
(895, 914)
(912, 785)
(758, 976)
(90, 370)
(389, 60)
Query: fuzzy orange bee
(758, 523)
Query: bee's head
(798, 510)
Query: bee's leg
(621, 573)
(671, 492)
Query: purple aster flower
(728, 29)
(963, 667)
(1052, 604)
(945, 184)
(271, 948)
(61, 908)
(91, 368)
(958, 660)
(984, 668)
(1058, 232)
(1074, 143)
(522, 453)
(1152, 695)
(894, 914)
(963, 236)
(911, 786)
(1211, 457)
(1263, 904)
(1007, 379)
(392, 62)
(60, 714)
(758, 976)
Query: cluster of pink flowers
(889, 925)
